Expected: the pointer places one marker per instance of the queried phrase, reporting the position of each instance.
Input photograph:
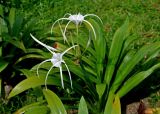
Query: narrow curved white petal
(41, 64)
(47, 76)
(91, 27)
(61, 75)
(46, 46)
(94, 16)
(56, 22)
(68, 50)
(69, 74)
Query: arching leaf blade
(54, 102)
(135, 80)
(32, 82)
(82, 106)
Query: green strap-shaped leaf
(82, 106)
(135, 80)
(3, 65)
(17, 43)
(28, 73)
(36, 56)
(1, 10)
(32, 108)
(100, 48)
(116, 47)
(0, 49)
(100, 89)
(37, 110)
(129, 41)
(12, 16)
(76, 69)
(0, 87)
(125, 69)
(154, 55)
(54, 102)
(123, 65)
(18, 25)
(116, 107)
(108, 107)
(32, 82)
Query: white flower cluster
(57, 58)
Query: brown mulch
(142, 107)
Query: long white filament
(41, 64)
(91, 27)
(47, 76)
(94, 16)
(61, 75)
(56, 22)
(69, 74)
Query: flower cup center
(56, 59)
(76, 18)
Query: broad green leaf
(12, 16)
(89, 82)
(88, 61)
(85, 43)
(0, 87)
(129, 41)
(37, 110)
(91, 74)
(18, 44)
(124, 70)
(1, 10)
(32, 82)
(3, 65)
(31, 107)
(100, 48)
(82, 106)
(1, 22)
(135, 80)
(54, 102)
(3, 27)
(123, 65)
(15, 42)
(18, 25)
(108, 107)
(28, 73)
(33, 56)
(116, 107)
(0, 50)
(116, 47)
(37, 51)
(34, 50)
(100, 89)
(154, 55)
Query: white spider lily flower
(56, 60)
(76, 19)
(49, 48)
